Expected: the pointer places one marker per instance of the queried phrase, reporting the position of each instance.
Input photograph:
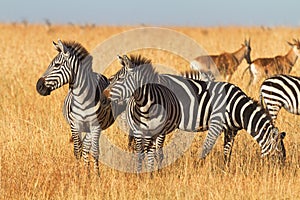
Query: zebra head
(274, 145)
(62, 68)
(128, 78)
(280, 152)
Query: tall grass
(37, 159)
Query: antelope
(226, 63)
(266, 67)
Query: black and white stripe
(151, 118)
(198, 75)
(212, 106)
(281, 91)
(82, 108)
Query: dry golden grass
(37, 159)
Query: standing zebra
(212, 106)
(281, 91)
(82, 108)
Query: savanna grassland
(37, 159)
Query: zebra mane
(76, 49)
(138, 60)
(144, 66)
(256, 102)
(198, 75)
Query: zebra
(84, 107)
(212, 106)
(281, 91)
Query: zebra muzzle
(41, 88)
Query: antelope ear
(295, 40)
(63, 48)
(291, 44)
(247, 42)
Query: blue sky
(154, 12)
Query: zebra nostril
(40, 84)
(41, 88)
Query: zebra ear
(62, 48)
(56, 46)
(275, 132)
(127, 62)
(121, 60)
(282, 135)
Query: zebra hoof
(203, 154)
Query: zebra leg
(150, 155)
(95, 150)
(140, 153)
(130, 141)
(228, 144)
(77, 143)
(87, 143)
(215, 129)
(159, 155)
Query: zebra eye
(56, 64)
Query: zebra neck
(84, 76)
(146, 74)
(254, 119)
(260, 129)
(263, 136)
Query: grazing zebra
(266, 67)
(226, 63)
(212, 106)
(281, 91)
(82, 108)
